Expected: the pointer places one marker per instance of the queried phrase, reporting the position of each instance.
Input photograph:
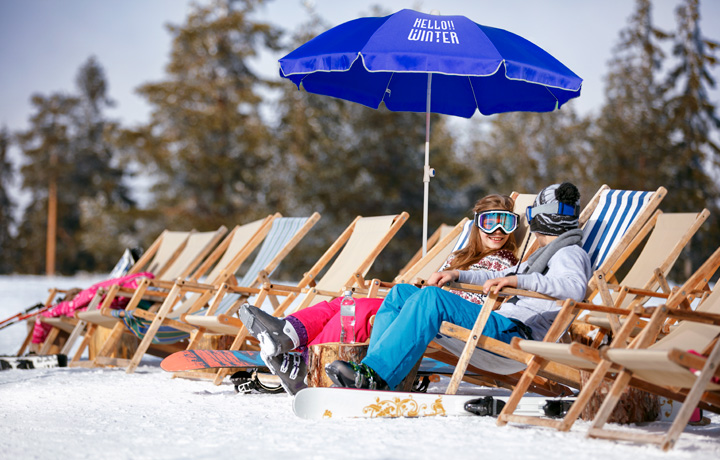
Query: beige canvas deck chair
(283, 235)
(198, 246)
(227, 256)
(666, 365)
(670, 235)
(610, 221)
(156, 260)
(353, 252)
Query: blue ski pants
(410, 318)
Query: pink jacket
(83, 298)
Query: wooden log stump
(325, 353)
(125, 349)
(634, 406)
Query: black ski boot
(274, 334)
(290, 368)
(350, 375)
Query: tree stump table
(325, 353)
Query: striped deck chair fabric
(282, 231)
(612, 217)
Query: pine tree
(694, 124)
(207, 144)
(630, 137)
(7, 206)
(68, 142)
(526, 152)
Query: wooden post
(52, 220)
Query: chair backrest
(670, 234)
(199, 245)
(239, 241)
(284, 235)
(522, 202)
(166, 248)
(691, 335)
(440, 233)
(369, 236)
(617, 212)
(435, 257)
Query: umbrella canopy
(417, 62)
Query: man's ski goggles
(552, 208)
(489, 221)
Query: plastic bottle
(347, 318)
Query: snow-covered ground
(105, 413)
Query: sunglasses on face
(489, 221)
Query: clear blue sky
(44, 42)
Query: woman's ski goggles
(489, 221)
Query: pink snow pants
(322, 320)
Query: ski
(318, 403)
(32, 362)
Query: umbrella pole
(428, 172)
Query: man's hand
(494, 285)
(440, 279)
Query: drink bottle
(347, 318)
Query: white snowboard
(317, 403)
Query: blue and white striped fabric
(464, 236)
(614, 214)
(123, 266)
(282, 231)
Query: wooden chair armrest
(696, 316)
(196, 286)
(230, 321)
(243, 290)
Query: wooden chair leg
(160, 316)
(471, 344)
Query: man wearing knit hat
(409, 319)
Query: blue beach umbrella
(417, 62)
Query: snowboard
(32, 362)
(319, 403)
(190, 360)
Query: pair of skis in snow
(317, 403)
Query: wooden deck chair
(664, 366)
(610, 221)
(226, 256)
(670, 234)
(196, 249)
(283, 235)
(160, 255)
(353, 252)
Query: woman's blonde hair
(474, 251)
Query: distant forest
(214, 158)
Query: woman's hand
(494, 285)
(440, 279)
